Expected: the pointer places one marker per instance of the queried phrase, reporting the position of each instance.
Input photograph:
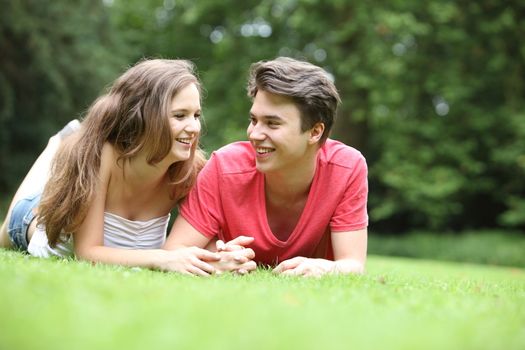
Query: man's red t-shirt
(229, 201)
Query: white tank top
(118, 233)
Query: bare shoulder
(108, 153)
(108, 160)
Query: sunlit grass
(398, 304)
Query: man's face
(275, 133)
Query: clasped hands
(234, 256)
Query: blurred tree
(55, 57)
(449, 150)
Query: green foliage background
(433, 92)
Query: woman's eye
(179, 116)
(197, 116)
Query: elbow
(85, 254)
(350, 266)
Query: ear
(316, 132)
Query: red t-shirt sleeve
(351, 213)
(202, 207)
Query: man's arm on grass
(349, 257)
(240, 260)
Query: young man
(300, 195)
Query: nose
(255, 132)
(193, 125)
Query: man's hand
(235, 257)
(301, 266)
(238, 261)
(238, 243)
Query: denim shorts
(21, 217)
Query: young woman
(103, 189)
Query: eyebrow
(268, 117)
(184, 110)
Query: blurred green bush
(433, 92)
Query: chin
(180, 156)
(263, 168)
(183, 158)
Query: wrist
(160, 260)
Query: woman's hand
(189, 261)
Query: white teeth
(185, 141)
(261, 150)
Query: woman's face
(185, 121)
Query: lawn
(399, 304)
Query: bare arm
(349, 257)
(184, 235)
(350, 251)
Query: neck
(143, 175)
(294, 182)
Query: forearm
(184, 235)
(210, 246)
(147, 258)
(302, 266)
(189, 261)
(350, 251)
(341, 266)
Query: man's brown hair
(307, 85)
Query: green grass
(398, 304)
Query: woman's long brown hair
(132, 116)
